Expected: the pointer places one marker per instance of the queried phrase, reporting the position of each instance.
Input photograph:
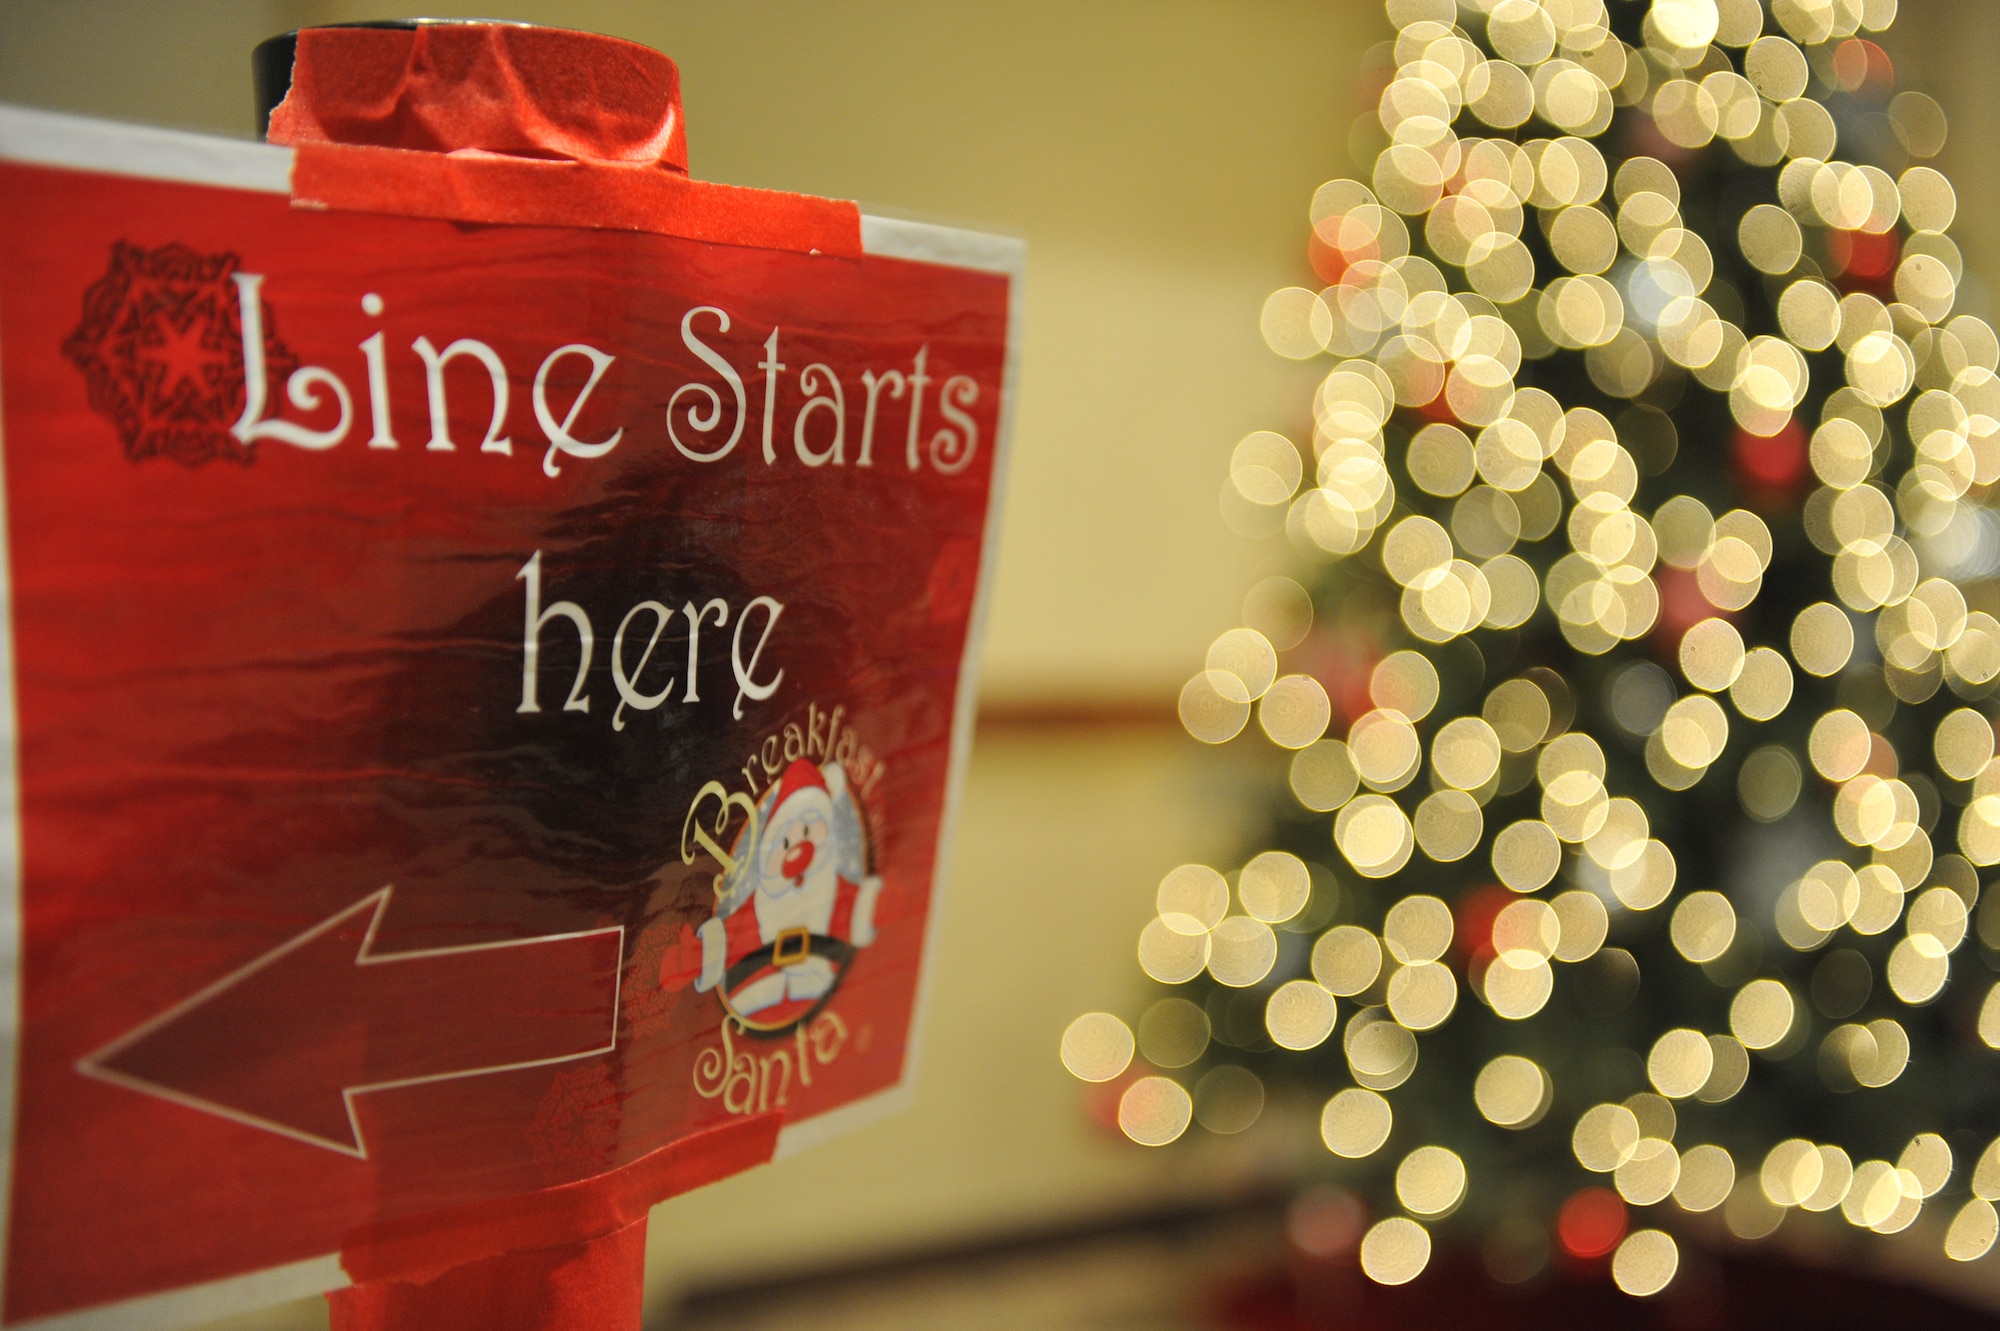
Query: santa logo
(795, 903)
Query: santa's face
(796, 850)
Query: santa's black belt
(789, 948)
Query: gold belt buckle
(791, 946)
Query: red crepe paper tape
(592, 1286)
(461, 187)
(497, 87)
(422, 1248)
(499, 123)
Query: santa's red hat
(800, 776)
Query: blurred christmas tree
(1653, 592)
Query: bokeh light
(1645, 521)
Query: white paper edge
(896, 238)
(49, 138)
(10, 874)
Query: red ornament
(1591, 1223)
(1682, 606)
(1860, 65)
(1771, 467)
(1101, 1099)
(1345, 666)
(1863, 259)
(1325, 1223)
(1438, 409)
(1477, 910)
(1329, 262)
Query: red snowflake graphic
(161, 350)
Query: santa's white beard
(808, 906)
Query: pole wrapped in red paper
(490, 630)
(446, 97)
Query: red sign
(486, 699)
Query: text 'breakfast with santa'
(704, 422)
